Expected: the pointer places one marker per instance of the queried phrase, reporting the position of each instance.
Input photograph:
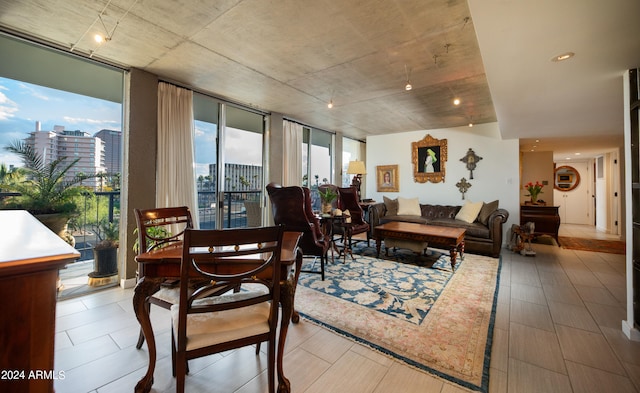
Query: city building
(58, 143)
(112, 140)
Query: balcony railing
(106, 205)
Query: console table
(30, 256)
(545, 218)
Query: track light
(408, 86)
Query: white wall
(496, 175)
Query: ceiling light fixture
(330, 104)
(408, 86)
(456, 101)
(470, 124)
(99, 37)
(562, 57)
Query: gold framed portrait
(387, 178)
(429, 157)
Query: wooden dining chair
(157, 228)
(228, 258)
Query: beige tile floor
(558, 329)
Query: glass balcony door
(229, 169)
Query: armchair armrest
(375, 213)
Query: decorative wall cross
(463, 186)
(471, 159)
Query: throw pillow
(485, 212)
(391, 205)
(469, 211)
(409, 207)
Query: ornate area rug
(607, 246)
(419, 313)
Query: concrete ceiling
(294, 56)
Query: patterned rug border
(593, 245)
(484, 387)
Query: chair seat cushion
(170, 295)
(206, 329)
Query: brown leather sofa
(484, 239)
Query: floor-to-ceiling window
(64, 105)
(229, 172)
(352, 150)
(317, 161)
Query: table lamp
(356, 168)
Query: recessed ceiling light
(568, 158)
(577, 154)
(456, 101)
(470, 124)
(562, 57)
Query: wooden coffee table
(445, 237)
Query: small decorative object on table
(327, 196)
(534, 190)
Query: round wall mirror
(566, 178)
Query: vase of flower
(534, 190)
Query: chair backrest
(161, 227)
(288, 207)
(291, 207)
(349, 201)
(229, 258)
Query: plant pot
(57, 222)
(326, 207)
(105, 262)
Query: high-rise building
(52, 145)
(112, 140)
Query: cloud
(7, 107)
(80, 120)
(34, 91)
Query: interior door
(576, 204)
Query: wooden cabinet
(545, 218)
(30, 256)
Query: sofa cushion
(408, 206)
(469, 211)
(474, 229)
(403, 218)
(485, 212)
(391, 205)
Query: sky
(22, 104)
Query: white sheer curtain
(292, 154)
(176, 183)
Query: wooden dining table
(157, 266)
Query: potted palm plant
(327, 196)
(105, 252)
(44, 191)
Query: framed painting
(387, 178)
(429, 156)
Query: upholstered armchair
(348, 200)
(291, 207)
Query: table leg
(143, 290)
(295, 317)
(378, 244)
(287, 292)
(452, 254)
